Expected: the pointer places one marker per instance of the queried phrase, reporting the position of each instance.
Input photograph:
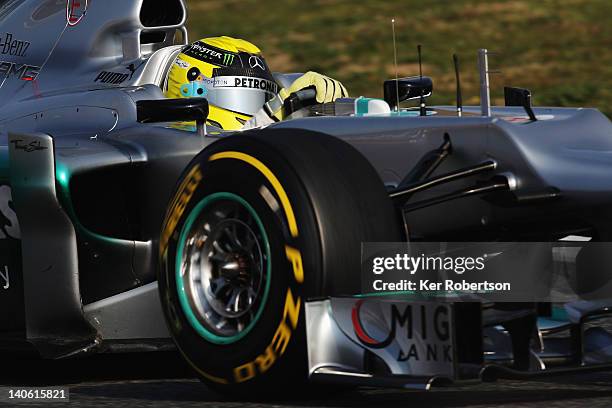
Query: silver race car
(123, 230)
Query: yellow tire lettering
(245, 372)
(266, 360)
(281, 338)
(295, 257)
(279, 343)
(276, 185)
(179, 203)
(292, 309)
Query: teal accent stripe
(361, 107)
(182, 294)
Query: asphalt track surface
(163, 380)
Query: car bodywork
(84, 186)
(78, 102)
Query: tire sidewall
(277, 340)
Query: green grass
(560, 49)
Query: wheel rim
(223, 268)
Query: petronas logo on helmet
(228, 59)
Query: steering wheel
(299, 100)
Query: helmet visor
(236, 89)
(241, 94)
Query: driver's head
(229, 72)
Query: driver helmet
(229, 72)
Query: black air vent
(105, 201)
(152, 37)
(161, 13)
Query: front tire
(261, 222)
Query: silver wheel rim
(224, 268)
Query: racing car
(242, 250)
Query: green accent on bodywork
(404, 113)
(193, 320)
(559, 313)
(62, 178)
(410, 113)
(62, 175)
(361, 106)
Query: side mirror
(172, 110)
(519, 97)
(407, 88)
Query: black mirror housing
(172, 110)
(408, 88)
(519, 97)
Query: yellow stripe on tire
(263, 169)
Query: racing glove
(327, 90)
